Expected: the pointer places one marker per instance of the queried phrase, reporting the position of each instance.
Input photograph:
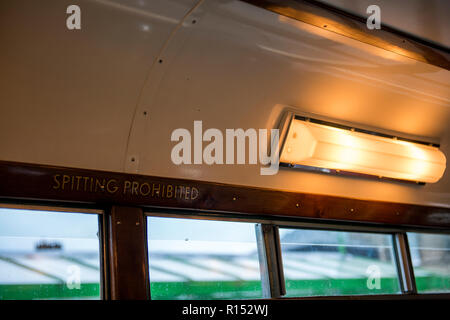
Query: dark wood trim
(128, 254)
(103, 222)
(20, 181)
(338, 21)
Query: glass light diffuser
(317, 145)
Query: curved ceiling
(109, 96)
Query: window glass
(48, 255)
(430, 255)
(202, 259)
(329, 263)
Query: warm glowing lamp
(316, 144)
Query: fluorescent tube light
(318, 145)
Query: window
(329, 263)
(430, 255)
(48, 255)
(202, 259)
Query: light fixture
(321, 144)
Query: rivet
(137, 223)
(297, 205)
(118, 222)
(351, 210)
(234, 198)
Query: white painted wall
(77, 98)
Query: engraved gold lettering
(134, 188)
(181, 188)
(78, 182)
(145, 184)
(85, 179)
(99, 184)
(113, 188)
(126, 186)
(169, 191)
(58, 184)
(194, 190)
(66, 180)
(157, 189)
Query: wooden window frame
(30, 184)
